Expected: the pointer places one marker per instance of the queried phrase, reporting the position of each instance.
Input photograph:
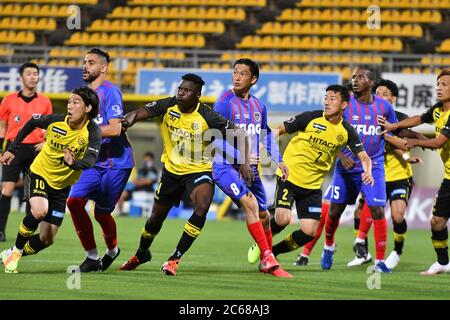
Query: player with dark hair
(438, 114)
(72, 145)
(105, 181)
(399, 173)
(186, 123)
(309, 156)
(362, 114)
(15, 110)
(249, 113)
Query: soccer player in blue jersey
(246, 111)
(362, 113)
(105, 181)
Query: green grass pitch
(216, 268)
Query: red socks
(108, 225)
(268, 234)
(82, 222)
(330, 230)
(380, 235)
(365, 222)
(310, 245)
(257, 232)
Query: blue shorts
(104, 186)
(347, 185)
(227, 178)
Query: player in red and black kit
(15, 110)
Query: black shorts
(36, 186)
(308, 201)
(399, 190)
(22, 161)
(173, 187)
(442, 204)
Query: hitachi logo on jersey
(179, 132)
(60, 147)
(60, 131)
(251, 128)
(370, 130)
(319, 126)
(321, 142)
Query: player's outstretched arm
(407, 158)
(397, 142)
(150, 110)
(435, 143)
(279, 131)
(367, 167)
(132, 117)
(36, 122)
(407, 123)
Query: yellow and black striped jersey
(312, 152)
(436, 114)
(184, 135)
(49, 163)
(394, 166)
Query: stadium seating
(321, 35)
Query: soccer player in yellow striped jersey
(72, 144)
(398, 175)
(439, 115)
(309, 156)
(186, 125)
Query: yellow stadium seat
(410, 16)
(444, 47)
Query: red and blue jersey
(115, 152)
(363, 117)
(251, 115)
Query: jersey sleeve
(391, 116)
(269, 140)
(91, 154)
(4, 110)
(446, 129)
(114, 104)
(427, 116)
(300, 122)
(36, 122)
(215, 120)
(353, 142)
(159, 107)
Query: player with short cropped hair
(399, 173)
(105, 181)
(72, 145)
(309, 156)
(362, 113)
(438, 114)
(15, 110)
(186, 123)
(248, 112)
